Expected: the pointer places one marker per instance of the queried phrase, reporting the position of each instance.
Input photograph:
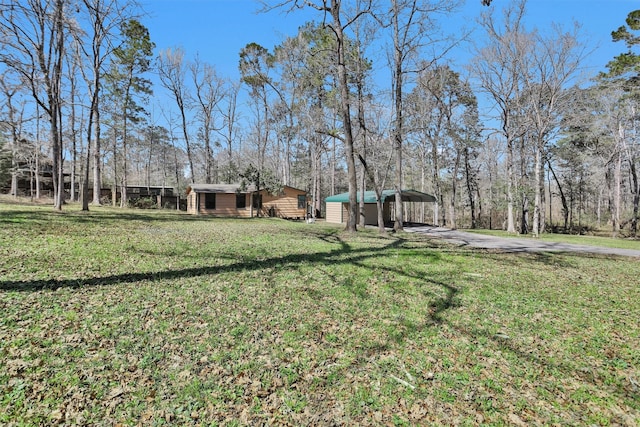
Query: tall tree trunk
(58, 182)
(37, 161)
(124, 183)
(55, 103)
(617, 176)
(97, 160)
(454, 190)
(398, 110)
(522, 182)
(363, 136)
(15, 139)
(423, 181)
(361, 205)
(147, 176)
(537, 205)
(125, 143)
(636, 196)
(346, 117)
(316, 173)
(114, 188)
(185, 133)
(563, 198)
(436, 183)
(511, 226)
(470, 188)
(85, 172)
(74, 141)
(543, 197)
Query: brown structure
(163, 196)
(26, 181)
(230, 200)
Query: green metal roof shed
(336, 207)
(370, 196)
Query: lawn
(131, 317)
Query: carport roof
(370, 196)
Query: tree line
(363, 98)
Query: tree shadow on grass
(344, 254)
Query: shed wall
(334, 212)
(338, 213)
(370, 214)
(191, 203)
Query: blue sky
(216, 30)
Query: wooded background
(518, 139)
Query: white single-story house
(231, 200)
(337, 207)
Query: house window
(257, 201)
(241, 201)
(210, 201)
(302, 202)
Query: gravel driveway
(463, 238)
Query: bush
(143, 203)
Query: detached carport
(337, 207)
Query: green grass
(160, 318)
(606, 242)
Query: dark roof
(370, 196)
(219, 188)
(227, 188)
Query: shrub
(143, 203)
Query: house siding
(225, 206)
(283, 206)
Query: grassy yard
(124, 317)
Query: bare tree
(13, 122)
(208, 94)
(33, 33)
(624, 68)
(229, 131)
(72, 123)
(172, 68)
(94, 47)
(412, 23)
(613, 124)
(497, 67)
(547, 71)
(444, 120)
(256, 63)
(131, 61)
(377, 164)
(309, 70)
(339, 24)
